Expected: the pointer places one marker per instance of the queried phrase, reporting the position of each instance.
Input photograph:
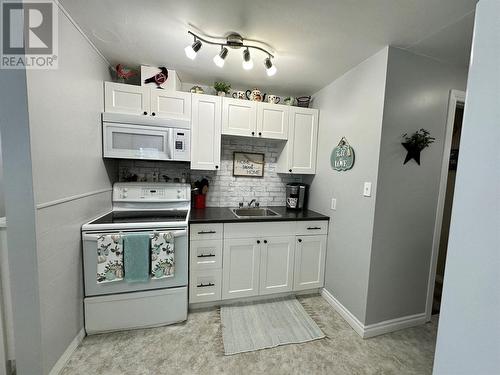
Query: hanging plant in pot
(222, 88)
(415, 143)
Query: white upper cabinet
(299, 154)
(276, 264)
(146, 101)
(129, 99)
(240, 268)
(272, 121)
(239, 117)
(254, 119)
(170, 104)
(206, 132)
(310, 253)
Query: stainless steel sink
(250, 212)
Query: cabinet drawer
(206, 254)
(260, 229)
(205, 285)
(305, 228)
(210, 231)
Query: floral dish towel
(162, 255)
(109, 258)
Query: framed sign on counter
(248, 164)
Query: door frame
(456, 97)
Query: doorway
(445, 201)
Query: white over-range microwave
(134, 137)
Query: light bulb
(193, 49)
(247, 61)
(271, 71)
(270, 68)
(219, 58)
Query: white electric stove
(146, 208)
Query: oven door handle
(94, 236)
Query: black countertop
(224, 215)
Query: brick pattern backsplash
(225, 189)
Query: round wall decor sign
(342, 158)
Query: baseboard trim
(392, 325)
(67, 353)
(372, 330)
(354, 322)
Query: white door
(276, 264)
(310, 255)
(239, 117)
(240, 270)
(170, 104)
(129, 99)
(272, 120)
(302, 140)
(206, 131)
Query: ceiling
(315, 41)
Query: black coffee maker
(296, 195)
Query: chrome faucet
(251, 202)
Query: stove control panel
(152, 191)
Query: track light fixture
(193, 49)
(219, 58)
(234, 41)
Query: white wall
(469, 333)
(225, 189)
(71, 184)
(416, 96)
(351, 106)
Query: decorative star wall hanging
(412, 153)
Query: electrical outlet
(334, 204)
(367, 189)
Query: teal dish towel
(136, 257)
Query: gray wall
(352, 107)
(469, 333)
(2, 203)
(70, 181)
(20, 206)
(416, 96)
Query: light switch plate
(334, 204)
(367, 189)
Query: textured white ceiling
(315, 41)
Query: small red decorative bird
(159, 78)
(121, 72)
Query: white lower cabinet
(205, 285)
(240, 267)
(237, 260)
(310, 253)
(276, 265)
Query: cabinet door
(206, 131)
(240, 268)
(239, 117)
(310, 255)
(302, 140)
(170, 104)
(123, 98)
(272, 120)
(276, 265)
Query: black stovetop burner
(141, 217)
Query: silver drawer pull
(206, 255)
(313, 228)
(207, 232)
(204, 285)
